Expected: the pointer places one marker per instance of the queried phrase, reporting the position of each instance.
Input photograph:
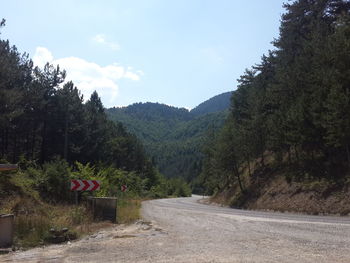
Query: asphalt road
(183, 230)
(203, 233)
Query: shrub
(179, 187)
(52, 180)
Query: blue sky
(178, 52)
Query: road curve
(203, 233)
(183, 230)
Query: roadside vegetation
(293, 109)
(128, 210)
(40, 198)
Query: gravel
(183, 230)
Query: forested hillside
(41, 119)
(290, 115)
(55, 136)
(215, 104)
(173, 136)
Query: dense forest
(42, 119)
(217, 103)
(290, 112)
(174, 136)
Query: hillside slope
(271, 188)
(173, 136)
(215, 104)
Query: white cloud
(90, 76)
(132, 75)
(101, 39)
(42, 56)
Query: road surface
(183, 230)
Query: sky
(177, 52)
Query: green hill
(215, 104)
(173, 136)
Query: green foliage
(112, 179)
(26, 184)
(215, 104)
(178, 187)
(294, 103)
(41, 119)
(54, 136)
(172, 136)
(84, 171)
(52, 181)
(35, 195)
(47, 124)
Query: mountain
(215, 104)
(173, 136)
(156, 112)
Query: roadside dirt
(276, 194)
(312, 198)
(183, 230)
(103, 246)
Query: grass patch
(128, 210)
(31, 230)
(32, 224)
(34, 221)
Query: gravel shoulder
(183, 230)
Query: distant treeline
(294, 104)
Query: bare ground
(277, 194)
(182, 230)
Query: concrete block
(6, 230)
(105, 208)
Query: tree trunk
(248, 162)
(262, 159)
(65, 150)
(6, 141)
(296, 154)
(289, 156)
(27, 144)
(238, 177)
(2, 143)
(262, 148)
(14, 153)
(348, 155)
(43, 144)
(33, 144)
